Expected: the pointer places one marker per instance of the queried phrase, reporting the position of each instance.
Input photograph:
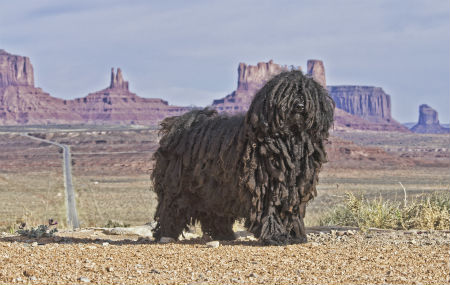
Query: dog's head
(291, 103)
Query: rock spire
(117, 80)
(316, 70)
(428, 121)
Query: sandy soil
(330, 257)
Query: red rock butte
(117, 105)
(360, 107)
(23, 103)
(15, 70)
(250, 80)
(429, 122)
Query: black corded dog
(262, 166)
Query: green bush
(430, 213)
(38, 232)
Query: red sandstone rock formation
(117, 81)
(30, 105)
(117, 105)
(22, 103)
(347, 121)
(316, 70)
(358, 107)
(368, 102)
(15, 70)
(250, 80)
(429, 122)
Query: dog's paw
(283, 239)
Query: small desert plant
(431, 212)
(116, 224)
(39, 231)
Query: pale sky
(187, 52)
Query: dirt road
(342, 257)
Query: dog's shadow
(200, 241)
(243, 238)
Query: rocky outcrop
(30, 105)
(370, 103)
(250, 79)
(316, 70)
(428, 122)
(345, 121)
(117, 105)
(367, 102)
(117, 81)
(428, 116)
(358, 107)
(15, 70)
(23, 103)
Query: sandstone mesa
(22, 103)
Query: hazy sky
(187, 52)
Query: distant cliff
(116, 104)
(429, 122)
(23, 103)
(370, 103)
(250, 80)
(361, 107)
(15, 70)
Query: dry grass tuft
(431, 212)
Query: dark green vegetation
(38, 232)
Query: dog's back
(196, 153)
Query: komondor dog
(261, 167)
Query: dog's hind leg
(218, 228)
(298, 233)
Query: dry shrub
(431, 212)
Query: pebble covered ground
(330, 257)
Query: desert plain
(111, 167)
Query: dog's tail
(172, 127)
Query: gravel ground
(340, 256)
